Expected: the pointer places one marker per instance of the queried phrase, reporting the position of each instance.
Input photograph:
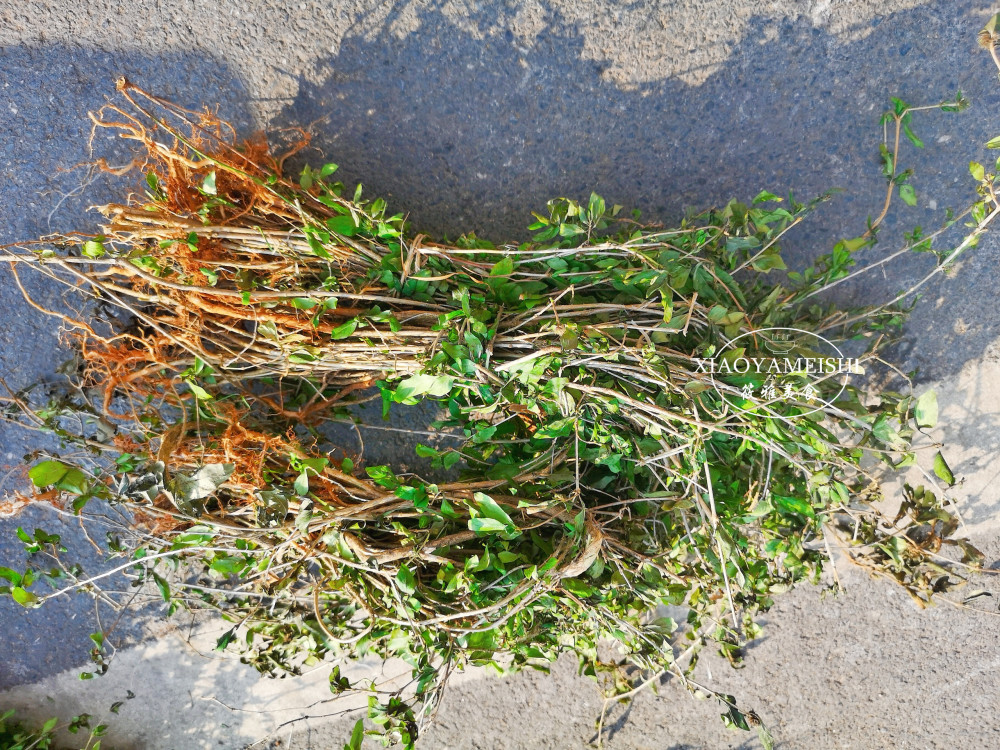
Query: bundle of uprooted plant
(644, 417)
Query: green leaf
(425, 451)
(301, 485)
(993, 142)
(23, 597)
(406, 580)
(317, 464)
(384, 476)
(224, 640)
(766, 740)
(570, 230)
(489, 508)
(898, 105)
(908, 194)
(486, 526)
(886, 433)
(344, 329)
(734, 718)
(342, 225)
(316, 245)
(11, 575)
(942, 469)
(596, 207)
(47, 473)
(855, 244)
(911, 135)
(208, 185)
(75, 481)
(82, 721)
(199, 393)
(977, 170)
(770, 259)
(338, 683)
(793, 505)
(194, 538)
(357, 735)
(93, 249)
(926, 409)
(423, 385)
(763, 196)
(163, 586)
(503, 267)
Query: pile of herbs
(599, 470)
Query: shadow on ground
(469, 131)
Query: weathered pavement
(468, 115)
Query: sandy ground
(467, 115)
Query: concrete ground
(468, 115)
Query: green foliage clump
(623, 439)
(16, 735)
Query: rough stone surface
(468, 115)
